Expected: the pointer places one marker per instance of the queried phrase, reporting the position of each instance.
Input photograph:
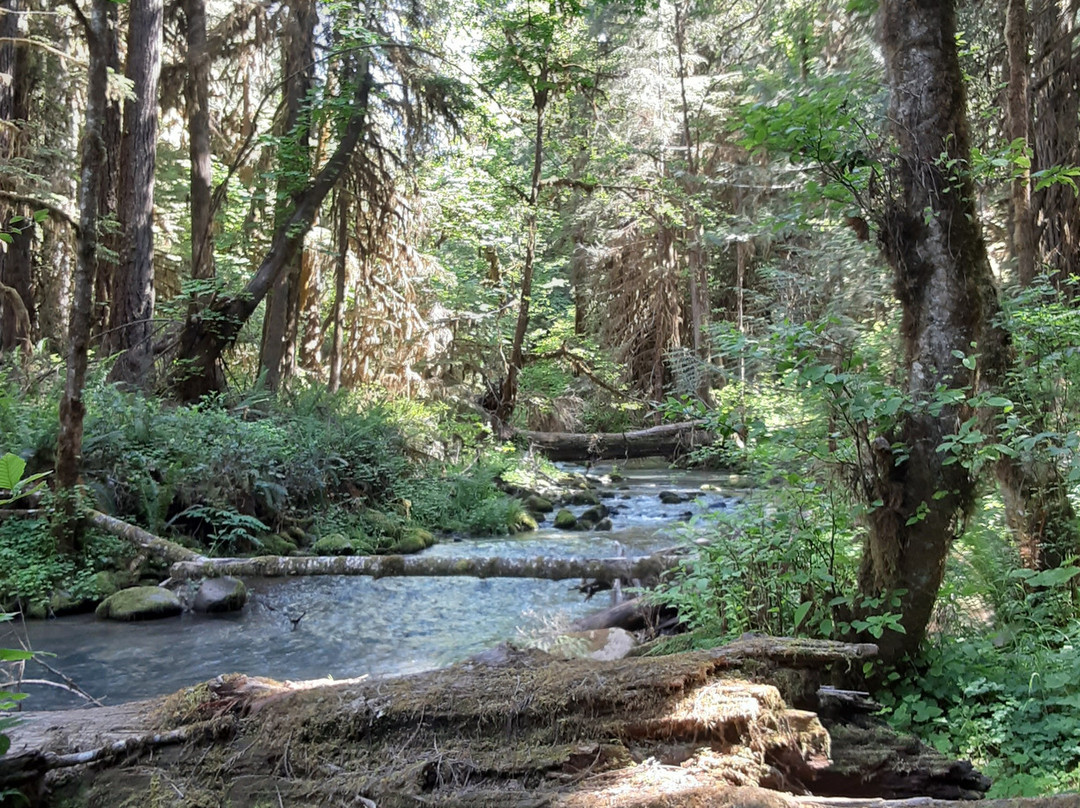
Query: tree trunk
(92, 161)
(277, 356)
(206, 334)
(932, 240)
(131, 316)
(508, 394)
(669, 440)
(198, 113)
(1056, 106)
(605, 570)
(17, 307)
(1018, 105)
(112, 240)
(341, 265)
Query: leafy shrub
(31, 569)
(783, 567)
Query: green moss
(277, 544)
(523, 523)
(535, 502)
(564, 520)
(336, 544)
(140, 603)
(413, 540)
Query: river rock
(564, 520)
(594, 515)
(413, 540)
(335, 544)
(672, 497)
(603, 644)
(582, 498)
(537, 504)
(603, 524)
(225, 594)
(140, 603)
(524, 522)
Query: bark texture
(1017, 95)
(198, 113)
(132, 311)
(669, 440)
(932, 239)
(17, 308)
(1056, 106)
(91, 169)
(278, 353)
(643, 569)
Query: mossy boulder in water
(537, 503)
(140, 603)
(586, 497)
(413, 540)
(216, 595)
(523, 522)
(564, 520)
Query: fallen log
(647, 568)
(669, 440)
(521, 730)
(156, 546)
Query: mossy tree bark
(932, 239)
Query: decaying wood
(555, 569)
(513, 728)
(670, 440)
(154, 545)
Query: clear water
(352, 626)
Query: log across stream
(355, 626)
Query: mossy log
(156, 546)
(643, 569)
(510, 728)
(669, 440)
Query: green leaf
(11, 471)
(13, 655)
(802, 611)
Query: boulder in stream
(537, 504)
(224, 594)
(140, 603)
(673, 497)
(565, 520)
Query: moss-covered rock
(603, 524)
(564, 520)
(537, 503)
(413, 540)
(523, 522)
(587, 497)
(673, 497)
(335, 544)
(277, 544)
(140, 603)
(594, 515)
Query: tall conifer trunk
(133, 291)
(277, 356)
(198, 113)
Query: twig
(68, 681)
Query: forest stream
(356, 626)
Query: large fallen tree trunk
(670, 440)
(643, 569)
(520, 729)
